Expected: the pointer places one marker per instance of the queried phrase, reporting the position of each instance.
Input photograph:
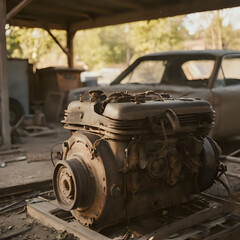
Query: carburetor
(131, 154)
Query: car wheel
(16, 111)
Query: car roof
(218, 53)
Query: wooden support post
(17, 9)
(4, 95)
(70, 37)
(57, 42)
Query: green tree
(220, 36)
(102, 46)
(13, 44)
(32, 43)
(156, 35)
(216, 29)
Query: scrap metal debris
(12, 156)
(14, 233)
(31, 126)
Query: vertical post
(4, 95)
(70, 56)
(128, 53)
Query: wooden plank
(70, 37)
(4, 95)
(57, 11)
(12, 151)
(232, 159)
(57, 42)
(227, 202)
(126, 4)
(160, 11)
(37, 24)
(68, 5)
(23, 188)
(15, 233)
(43, 213)
(187, 222)
(231, 174)
(112, 15)
(17, 9)
(231, 233)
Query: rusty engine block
(133, 154)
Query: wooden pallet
(200, 223)
(48, 213)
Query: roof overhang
(74, 15)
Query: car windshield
(172, 71)
(146, 72)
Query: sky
(195, 21)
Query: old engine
(133, 154)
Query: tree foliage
(156, 35)
(118, 44)
(216, 29)
(102, 46)
(31, 43)
(220, 36)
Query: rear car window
(231, 67)
(229, 73)
(198, 69)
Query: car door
(226, 95)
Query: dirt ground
(17, 220)
(38, 149)
(12, 222)
(37, 166)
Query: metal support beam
(57, 42)
(70, 37)
(17, 9)
(4, 95)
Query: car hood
(131, 88)
(174, 90)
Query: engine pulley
(73, 184)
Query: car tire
(16, 111)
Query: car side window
(198, 69)
(229, 72)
